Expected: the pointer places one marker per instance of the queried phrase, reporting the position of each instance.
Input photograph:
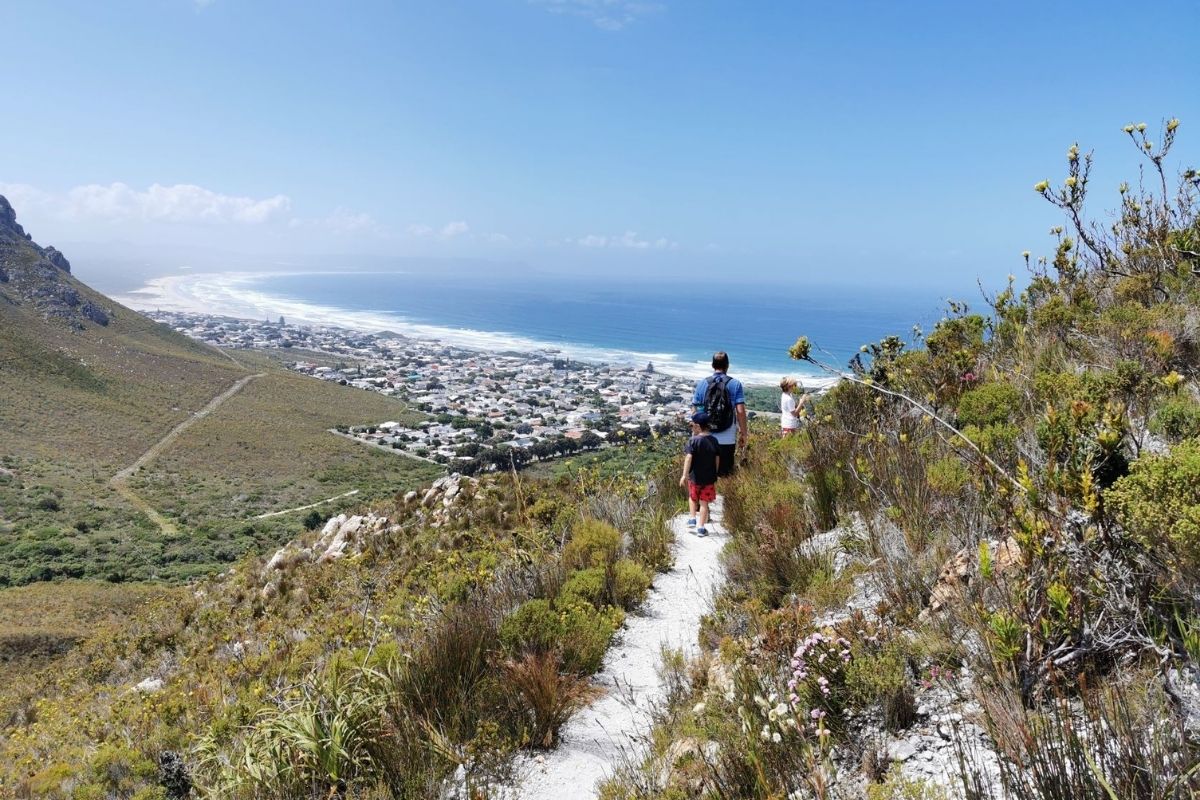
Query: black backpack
(717, 403)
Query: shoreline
(231, 294)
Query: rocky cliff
(41, 277)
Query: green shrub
(881, 679)
(898, 787)
(150, 793)
(532, 627)
(1158, 502)
(544, 510)
(117, 767)
(588, 585)
(51, 780)
(593, 544)
(586, 632)
(630, 582)
(989, 404)
(1177, 419)
(997, 439)
(947, 475)
(577, 630)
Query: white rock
(902, 750)
(275, 561)
(149, 685)
(332, 525)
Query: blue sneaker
(692, 522)
(701, 532)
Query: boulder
(286, 558)
(149, 685)
(94, 313)
(332, 525)
(56, 258)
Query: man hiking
(722, 398)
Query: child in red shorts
(700, 463)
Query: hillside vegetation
(452, 630)
(83, 398)
(976, 573)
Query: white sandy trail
(615, 727)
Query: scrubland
(973, 574)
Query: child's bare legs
(692, 508)
(702, 520)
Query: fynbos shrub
(1159, 503)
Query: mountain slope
(87, 386)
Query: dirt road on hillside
(120, 481)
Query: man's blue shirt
(736, 396)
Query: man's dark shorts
(727, 455)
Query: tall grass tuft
(1120, 741)
(545, 697)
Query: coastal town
(483, 410)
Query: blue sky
(894, 142)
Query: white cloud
(611, 15)
(345, 221)
(628, 240)
(25, 198)
(453, 229)
(121, 202)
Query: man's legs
(728, 454)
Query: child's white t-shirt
(787, 404)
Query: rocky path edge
(615, 728)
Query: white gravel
(615, 727)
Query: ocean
(676, 325)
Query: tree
(590, 440)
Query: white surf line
(270, 514)
(616, 727)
